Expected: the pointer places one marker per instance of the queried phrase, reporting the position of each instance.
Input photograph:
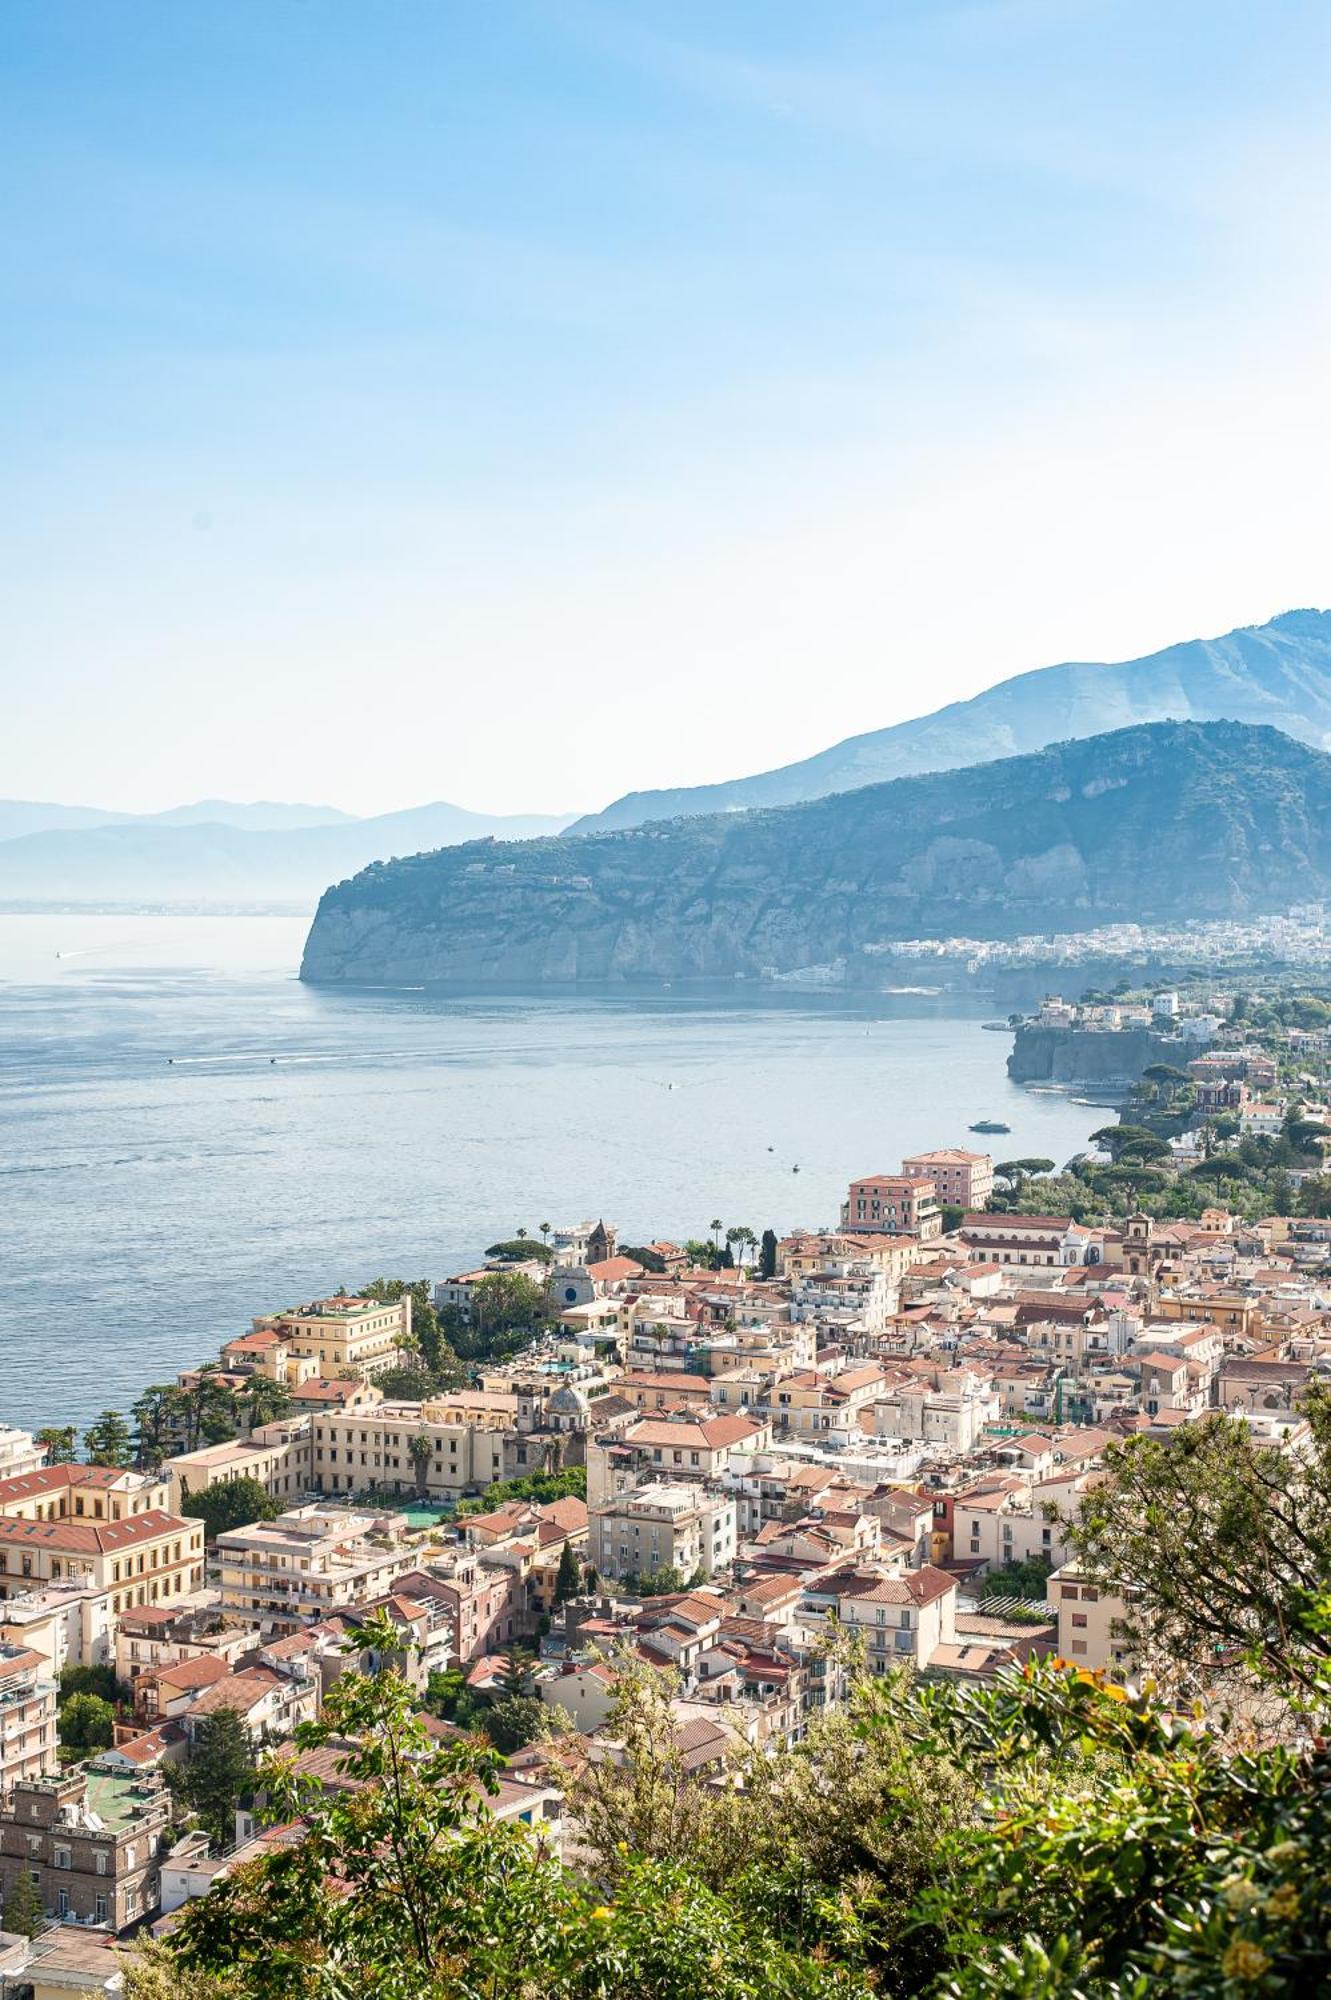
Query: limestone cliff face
(1151, 824)
(1078, 1055)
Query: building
(277, 1455)
(431, 1450)
(91, 1841)
(82, 1493)
(663, 1525)
(674, 1447)
(1090, 1620)
(148, 1558)
(19, 1452)
(27, 1717)
(330, 1337)
(309, 1562)
(892, 1205)
(961, 1179)
(900, 1620)
(998, 1238)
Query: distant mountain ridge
(1152, 824)
(178, 858)
(1278, 673)
(20, 816)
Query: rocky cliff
(1153, 824)
(1080, 1055)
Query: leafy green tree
(86, 1722)
(1029, 1578)
(568, 1579)
(60, 1443)
(364, 1905)
(264, 1401)
(23, 1913)
(221, 1770)
(209, 1411)
(407, 1385)
(90, 1680)
(767, 1254)
(157, 1415)
(514, 1721)
(1222, 1539)
(518, 1247)
(233, 1503)
(108, 1440)
(515, 1675)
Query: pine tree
(23, 1912)
(108, 1441)
(220, 1771)
(569, 1580)
(767, 1255)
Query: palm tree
(716, 1226)
(545, 1233)
(420, 1449)
(521, 1235)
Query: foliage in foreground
(1047, 1836)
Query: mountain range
(1152, 824)
(259, 853)
(1278, 673)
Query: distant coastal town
(756, 1469)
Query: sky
(523, 403)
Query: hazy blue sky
(517, 403)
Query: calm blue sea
(188, 1136)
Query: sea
(189, 1136)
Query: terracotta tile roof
(77, 1537)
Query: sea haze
(188, 1136)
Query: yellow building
(436, 1450)
(82, 1493)
(150, 1558)
(331, 1337)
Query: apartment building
(91, 1842)
(676, 1447)
(27, 1717)
(308, 1563)
(963, 1179)
(435, 1450)
(892, 1205)
(277, 1455)
(809, 1404)
(901, 1620)
(82, 1493)
(337, 1336)
(19, 1452)
(1089, 1621)
(481, 1599)
(663, 1525)
(146, 1559)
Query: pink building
(960, 1178)
(892, 1205)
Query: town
(758, 1470)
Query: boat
(990, 1125)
